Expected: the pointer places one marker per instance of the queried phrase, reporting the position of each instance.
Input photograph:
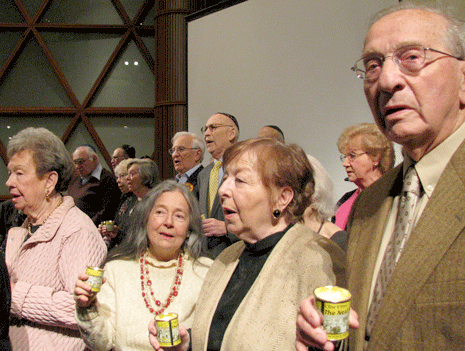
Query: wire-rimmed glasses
(410, 59)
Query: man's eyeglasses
(80, 161)
(213, 127)
(409, 59)
(351, 156)
(180, 149)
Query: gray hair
(322, 200)
(454, 36)
(148, 171)
(196, 141)
(48, 152)
(122, 167)
(136, 240)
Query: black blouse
(250, 264)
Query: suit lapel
(204, 180)
(366, 228)
(442, 220)
(193, 177)
(217, 211)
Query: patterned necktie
(213, 184)
(404, 223)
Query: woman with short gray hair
(49, 154)
(142, 176)
(127, 202)
(323, 206)
(55, 243)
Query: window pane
(3, 179)
(32, 82)
(32, 6)
(82, 12)
(135, 131)
(9, 12)
(130, 84)
(12, 124)
(150, 43)
(9, 41)
(149, 20)
(81, 57)
(132, 7)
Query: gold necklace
(29, 224)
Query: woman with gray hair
(141, 175)
(322, 207)
(156, 269)
(127, 202)
(56, 242)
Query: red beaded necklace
(146, 285)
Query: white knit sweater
(119, 319)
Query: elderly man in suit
(94, 189)
(122, 153)
(220, 132)
(408, 289)
(187, 153)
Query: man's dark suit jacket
(214, 245)
(99, 199)
(192, 180)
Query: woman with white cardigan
(156, 269)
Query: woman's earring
(47, 196)
(276, 214)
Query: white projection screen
(285, 63)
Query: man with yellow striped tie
(220, 132)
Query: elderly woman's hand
(214, 227)
(107, 235)
(183, 346)
(309, 327)
(83, 295)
